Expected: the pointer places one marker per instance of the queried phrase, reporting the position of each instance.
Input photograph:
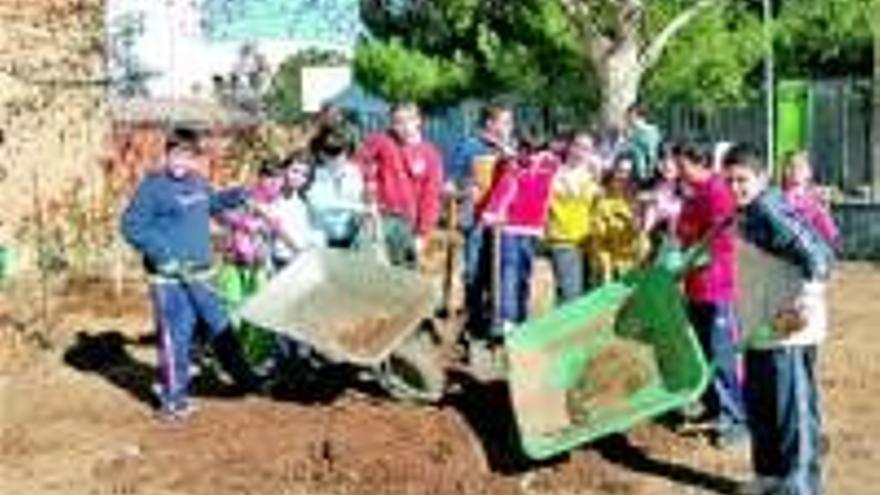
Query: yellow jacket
(572, 206)
(616, 243)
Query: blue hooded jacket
(168, 219)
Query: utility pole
(875, 106)
(769, 86)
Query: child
(573, 200)
(806, 199)
(616, 244)
(405, 174)
(336, 195)
(781, 389)
(517, 205)
(251, 231)
(708, 210)
(662, 204)
(471, 170)
(168, 221)
(292, 213)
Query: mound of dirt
(352, 446)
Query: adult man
(404, 176)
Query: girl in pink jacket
(517, 207)
(806, 199)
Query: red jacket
(405, 180)
(710, 204)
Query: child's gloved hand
(790, 318)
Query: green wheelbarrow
(620, 355)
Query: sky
(183, 43)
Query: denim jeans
(178, 307)
(517, 256)
(715, 324)
(570, 271)
(785, 418)
(478, 261)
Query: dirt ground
(76, 420)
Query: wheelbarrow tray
(346, 304)
(547, 358)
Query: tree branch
(655, 49)
(581, 16)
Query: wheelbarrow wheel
(414, 372)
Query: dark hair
(743, 155)
(622, 157)
(297, 155)
(569, 138)
(531, 140)
(491, 111)
(182, 137)
(269, 168)
(689, 151)
(637, 109)
(332, 141)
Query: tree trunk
(620, 75)
(875, 114)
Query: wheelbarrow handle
(678, 261)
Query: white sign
(323, 84)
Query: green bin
(5, 263)
(618, 356)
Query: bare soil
(76, 419)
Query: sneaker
(483, 361)
(694, 413)
(175, 413)
(760, 485)
(730, 437)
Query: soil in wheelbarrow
(365, 336)
(610, 379)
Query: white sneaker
(760, 485)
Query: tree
(560, 51)
(835, 38)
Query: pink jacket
(808, 204)
(248, 238)
(709, 205)
(519, 200)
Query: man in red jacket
(404, 175)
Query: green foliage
(398, 73)
(825, 37)
(529, 48)
(474, 48)
(710, 63)
(283, 100)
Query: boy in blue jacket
(782, 399)
(471, 172)
(168, 222)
